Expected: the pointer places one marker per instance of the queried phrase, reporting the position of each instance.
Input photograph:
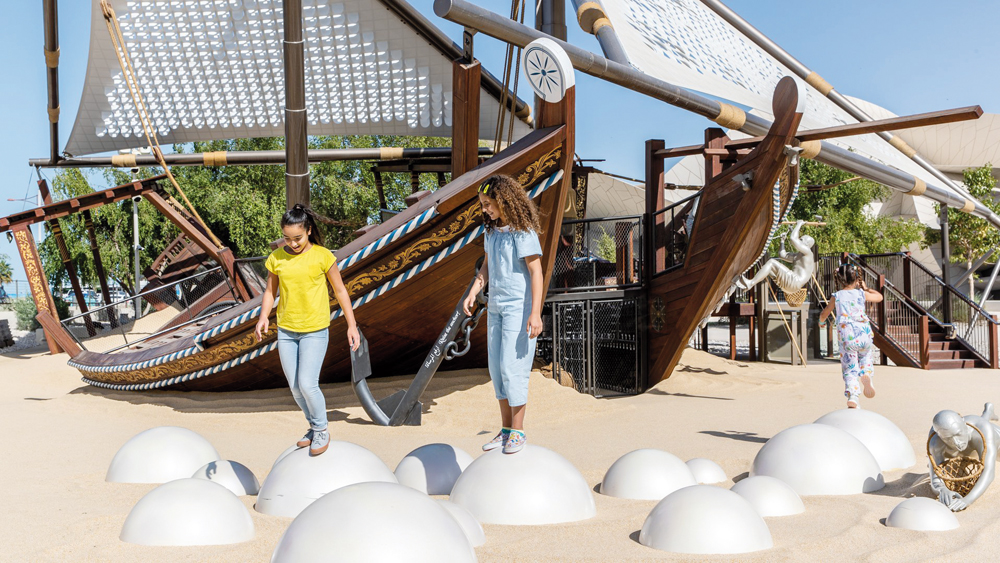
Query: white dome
(922, 514)
(533, 486)
(374, 522)
(704, 519)
(432, 469)
(472, 528)
(232, 475)
(188, 512)
(706, 471)
(891, 448)
(283, 455)
(160, 454)
(818, 459)
(299, 479)
(646, 475)
(769, 496)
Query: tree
(850, 227)
(242, 205)
(969, 236)
(6, 271)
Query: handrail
(139, 295)
(604, 219)
(679, 202)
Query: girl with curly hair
(514, 269)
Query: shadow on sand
(339, 396)
(655, 391)
(736, 435)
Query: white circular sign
(548, 69)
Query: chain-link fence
(254, 273)
(153, 313)
(598, 254)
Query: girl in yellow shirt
(301, 270)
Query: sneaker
(305, 440)
(515, 442)
(853, 403)
(866, 381)
(498, 441)
(320, 442)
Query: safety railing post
(994, 353)
(925, 342)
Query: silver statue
(789, 280)
(950, 437)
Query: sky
(907, 56)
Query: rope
(516, 7)
(788, 327)
(131, 80)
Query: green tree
(849, 227)
(242, 205)
(969, 236)
(6, 271)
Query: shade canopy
(214, 70)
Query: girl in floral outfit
(855, 332)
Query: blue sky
(908, 56)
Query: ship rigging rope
(132, 81)
(517, 9)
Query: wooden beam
(465, 111)
(36, 279)
(175, 217)
(56, 335)
(102, 278)
(90, 201)
(551, 203)
(74, 281)
(877, 126)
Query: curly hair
(519, 211)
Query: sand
(59, 436)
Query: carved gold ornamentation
(201, 360)
(30, 261)
(535, 170)
(416, 250)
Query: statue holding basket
(962, 452)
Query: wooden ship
(406, 274)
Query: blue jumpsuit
(510, 350)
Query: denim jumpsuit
(510, 350)
(856, 337)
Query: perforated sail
(214, 70)
(685, 43)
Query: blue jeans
(301, 355)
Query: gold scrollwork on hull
(658, 313)
(31, 270)
(416, 250)
(198, 361)
(535, 170)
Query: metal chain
(464, 338)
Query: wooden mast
(296, 153)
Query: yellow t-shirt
(304, 302)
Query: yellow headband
(485, 188)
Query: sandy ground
(59, 435)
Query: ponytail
(847, 274)
(306, 218)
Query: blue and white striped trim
(381, 290)
(139, 365)
(392, 237)
(203, 336)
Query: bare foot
(866, 381)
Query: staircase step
(951, 364)
(956, 354)
(944, 345)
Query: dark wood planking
(465, 109)
(745, 233)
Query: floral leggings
(855, 355)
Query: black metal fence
(153, 312)
(598, 254)
(671, 230)
(598, 345)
